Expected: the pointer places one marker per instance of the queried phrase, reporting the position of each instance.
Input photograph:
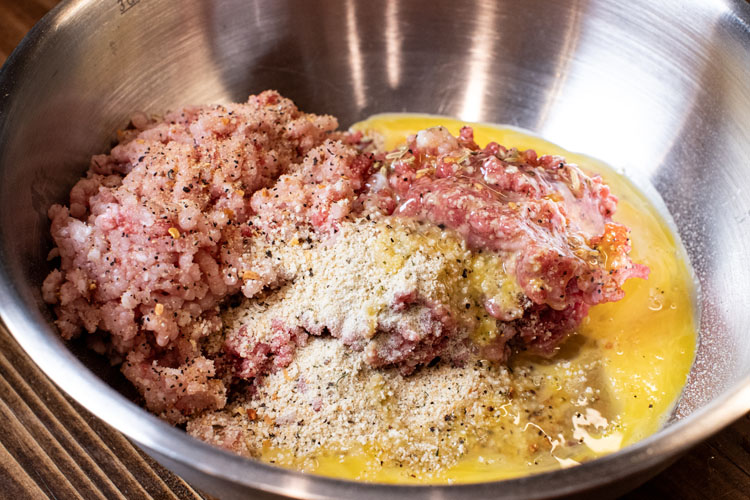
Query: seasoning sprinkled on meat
(152, 240)
(224, 255)
(549, 221)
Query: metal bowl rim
(67, 372)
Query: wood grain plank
(17, 18)
(702, 473)
(68, 435)
(108, 450)
(14, 482)
(31, 456)
(81, 471)
(734, 443)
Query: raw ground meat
(550, 221)
(391, 253)
(151, 241)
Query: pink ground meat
(166, 227)
(551, 222)
(151, 241)
(545, 213)
(320, 191)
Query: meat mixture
(229, 257)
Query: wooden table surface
(51, 447)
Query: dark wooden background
(51, 447)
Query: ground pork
(151, 240)
(437, 249)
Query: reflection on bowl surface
(643, 87)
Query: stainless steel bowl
(661, 89)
